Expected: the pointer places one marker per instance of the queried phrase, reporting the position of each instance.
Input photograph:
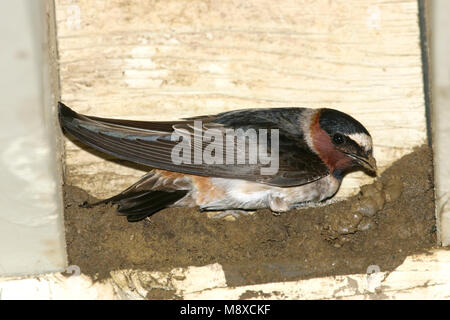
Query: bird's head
(342, 142)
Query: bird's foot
(278, 205)
(229, 215)
(305, 204)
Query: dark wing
(152, 144)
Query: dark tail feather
(138, 206)
(141, 206)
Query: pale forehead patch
(362, 139)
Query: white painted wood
(424, 276)
(172, 59)
(31, 225)
(441, 113)
(55, 287)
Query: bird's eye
(338, 138)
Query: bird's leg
(301, 205)
(229, 214)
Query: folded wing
(151, 143)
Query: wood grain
(170, 59)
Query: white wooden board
(423, 276)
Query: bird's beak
(367, 162)
(370, 164)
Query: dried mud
(382, 225)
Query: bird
(312, 149)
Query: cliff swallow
(310, 149)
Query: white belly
(241, 194)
